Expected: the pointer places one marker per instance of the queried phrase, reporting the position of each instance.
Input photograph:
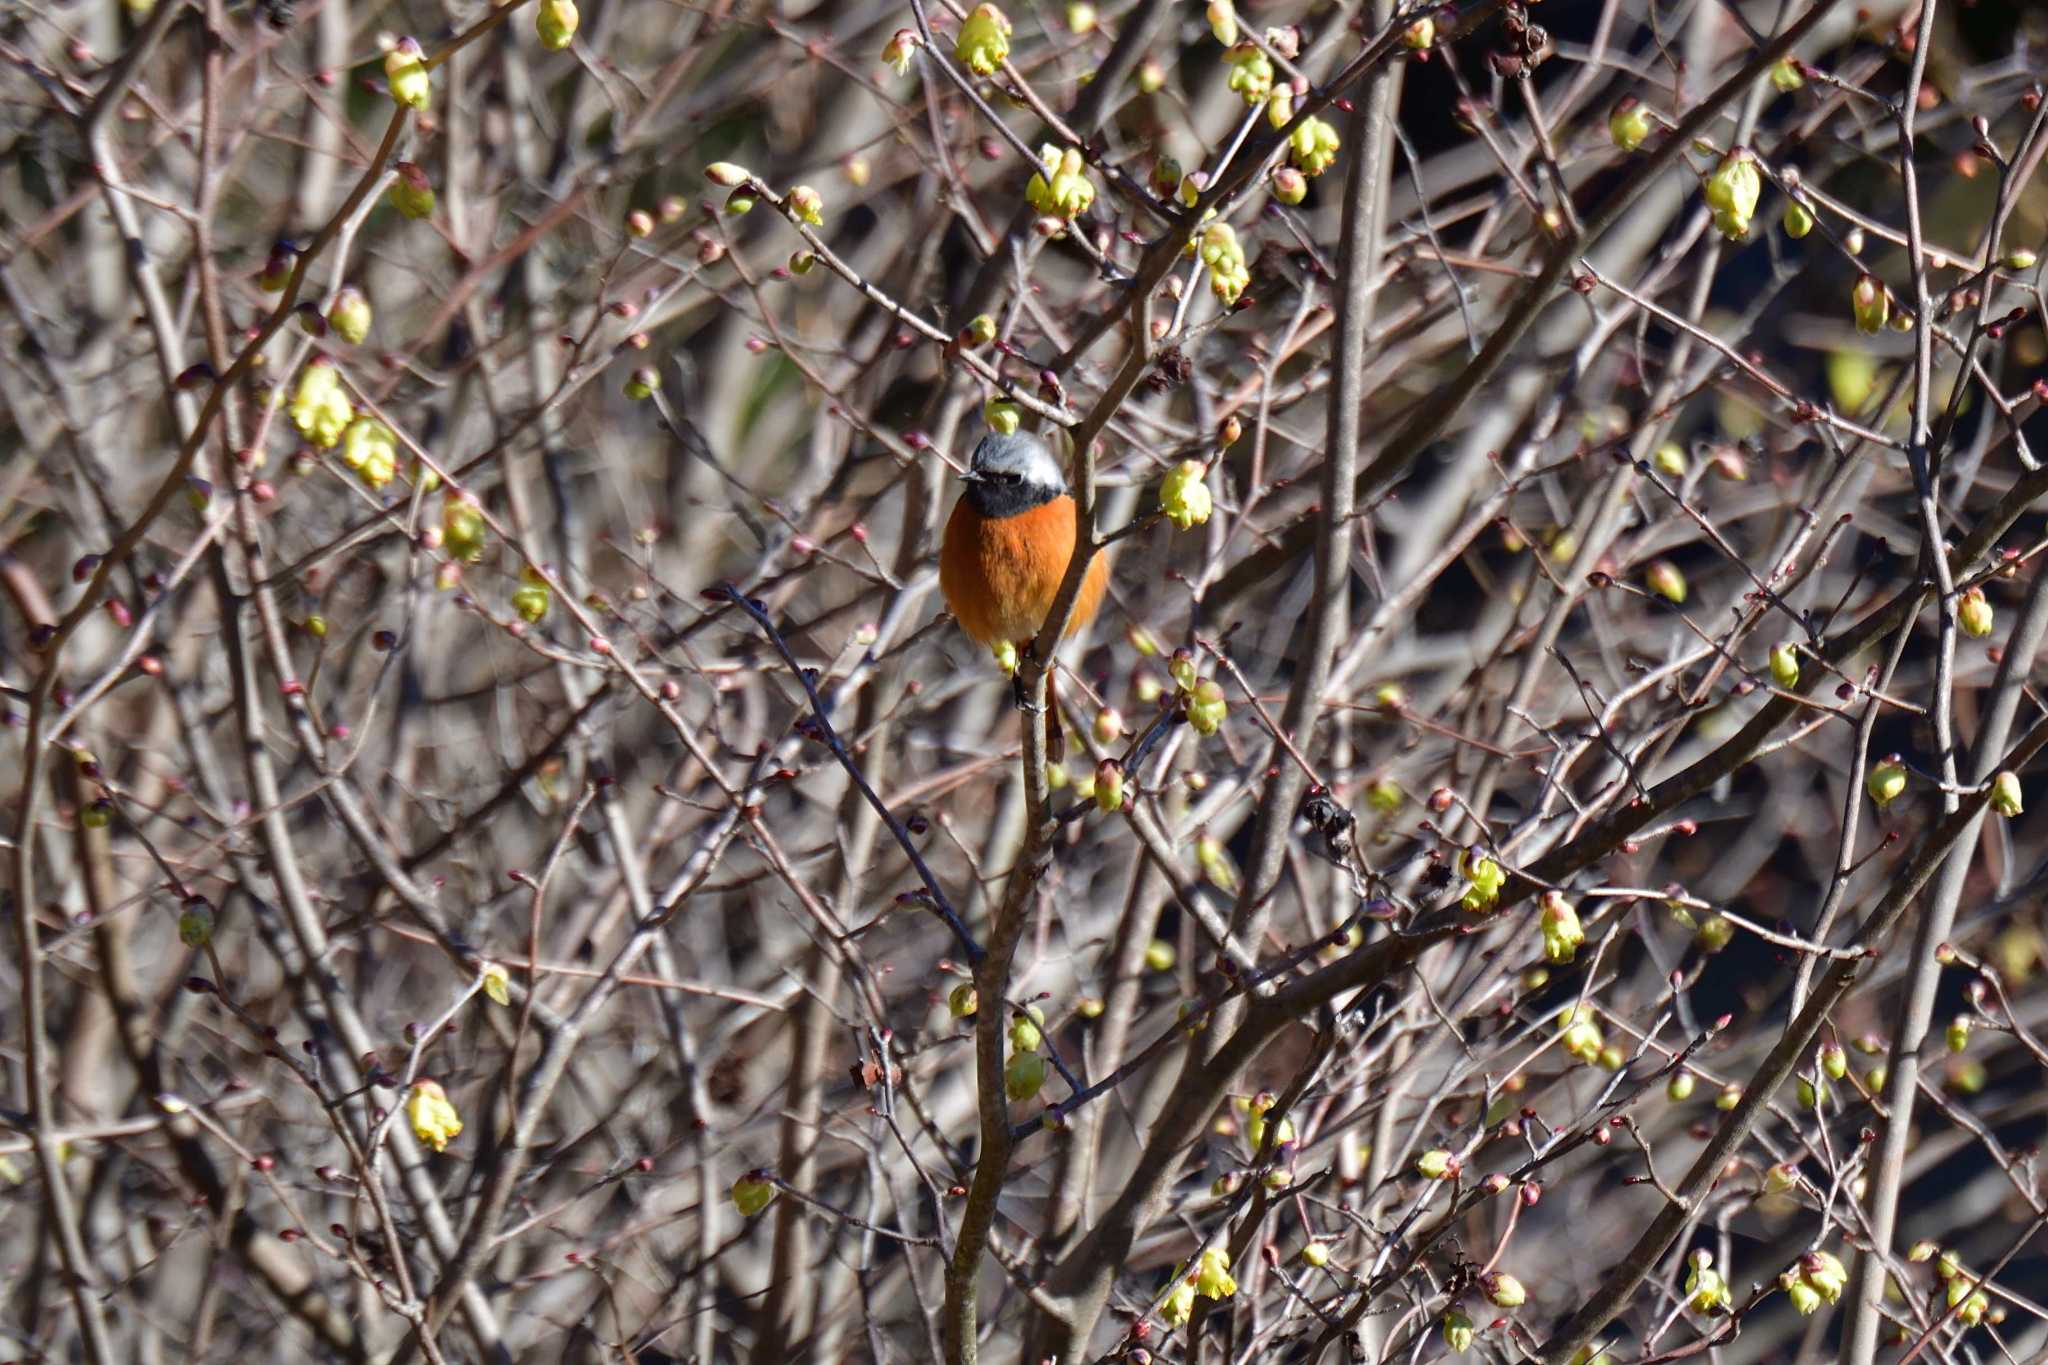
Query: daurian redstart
(1008, 542)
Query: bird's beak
(970, 475)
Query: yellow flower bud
(2005, 794)
(1023, 1075)
(1974, 614)
(1458, 1330)
(1886, 781)
(1870, 303)
(554, 23)
(349, 315)
(1223, 22)
(1184, 495)
(1002, 416)
(1109, 786)
(751, 1194)
(1785, 666)
(1629, 124)
(1664, 579)
(405, 73)
(497, 983)
(984, 43)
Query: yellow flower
(1219, 249)
(1251, 73)
(1255, 1121)
(1487, 879)
(806, 205)
(1313, 146)
(1206, 707)
(405, 71)
(1062, 187)
(320, 408)
(1824, 1274)
(1212, 1274)
(1706, 1290)
(1179, 1305)
(462, 529)
(371, 450)
(497, 984)
(1732, 191)
(1562, 932)
(901, 47)
(531, 598)
(1582, 1037)
(433, 1118)
(984, 40)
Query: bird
(1008, 541)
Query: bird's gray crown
(1013, 473)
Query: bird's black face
(1012, 474)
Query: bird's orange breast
(1000, 575)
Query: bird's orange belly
(1000, 576)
